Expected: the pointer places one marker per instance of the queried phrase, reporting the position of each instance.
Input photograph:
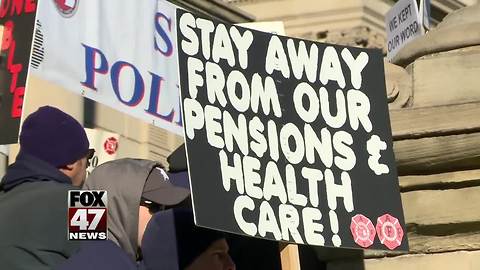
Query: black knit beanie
(54, 137)
(191, 240)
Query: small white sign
(403, 24)
(106, 145)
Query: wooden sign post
(289, 256)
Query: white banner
(118, 53)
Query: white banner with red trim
(119, 53)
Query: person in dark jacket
(54, 150)
(99, 255)
(172, 241)
(136, 189)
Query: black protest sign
(18, 21)
(288, 139)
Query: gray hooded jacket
(123, 180)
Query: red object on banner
(110, 145)
(17, 103)
(363, 231)
(389, 231)
(66, 6)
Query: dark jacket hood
(28, 168)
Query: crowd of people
(150, 221)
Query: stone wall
(436, 131)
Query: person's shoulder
(56, 193)
(45, 185)
(99, 255)
(43, 192)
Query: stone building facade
(436, 136)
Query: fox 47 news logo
(87, 215)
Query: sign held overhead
(287, 139)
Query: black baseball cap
(159, 189)
(177, 160)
